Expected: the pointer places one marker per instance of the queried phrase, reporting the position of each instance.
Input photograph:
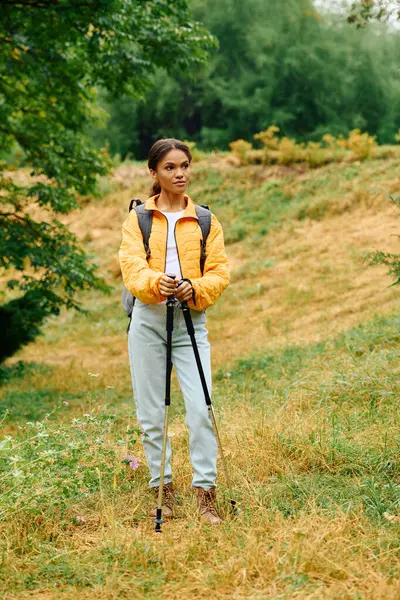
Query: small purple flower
(82, 519)
(128, 458)
(132, 461)
(134, 464)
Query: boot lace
(207, 503)
(168, 496)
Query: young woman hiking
(175, 247)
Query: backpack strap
(134, 202)
(204, 216)
(145, 219)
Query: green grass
(251, 207)
(311, 433)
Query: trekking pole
(190, 329)
(170, 326)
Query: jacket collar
(190, 210)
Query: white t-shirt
(172, 264)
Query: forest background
(302, 68)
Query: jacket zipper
(177, 251)
(179, 260)
(166, 243)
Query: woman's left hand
(184, 292)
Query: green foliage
(362, 12)
(386, 258)
(300, 69)
(52, 57)
(20, 320)
(79, 459)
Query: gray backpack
(145, 218)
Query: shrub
(358, 146)
(241, 149)
(362, 144)
(270, 143)
(196, 153)
(315, 155)
(290, 152)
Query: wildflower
(134, 464)
(66, 403)
(132, 461)
(128, 458)
(81, 519)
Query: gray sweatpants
(147, 355)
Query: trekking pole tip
(158, 520)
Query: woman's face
(173, 172)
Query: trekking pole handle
(184, 303)
(171, 276)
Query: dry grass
(317, 283)
(311, 434)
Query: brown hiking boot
(206, 506)
(168, 501)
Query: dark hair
(157, 152)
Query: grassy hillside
(306, 370)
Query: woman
(175, 246)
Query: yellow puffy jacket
(141, 277)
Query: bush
(290, 152)
(241, 149)
(362, 144)
(286, 151)
(196, 153)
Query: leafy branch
(386, 258)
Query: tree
(54, 55)
(363, 11)
(305, 70)
(389, 259)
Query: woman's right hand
(167, 285)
